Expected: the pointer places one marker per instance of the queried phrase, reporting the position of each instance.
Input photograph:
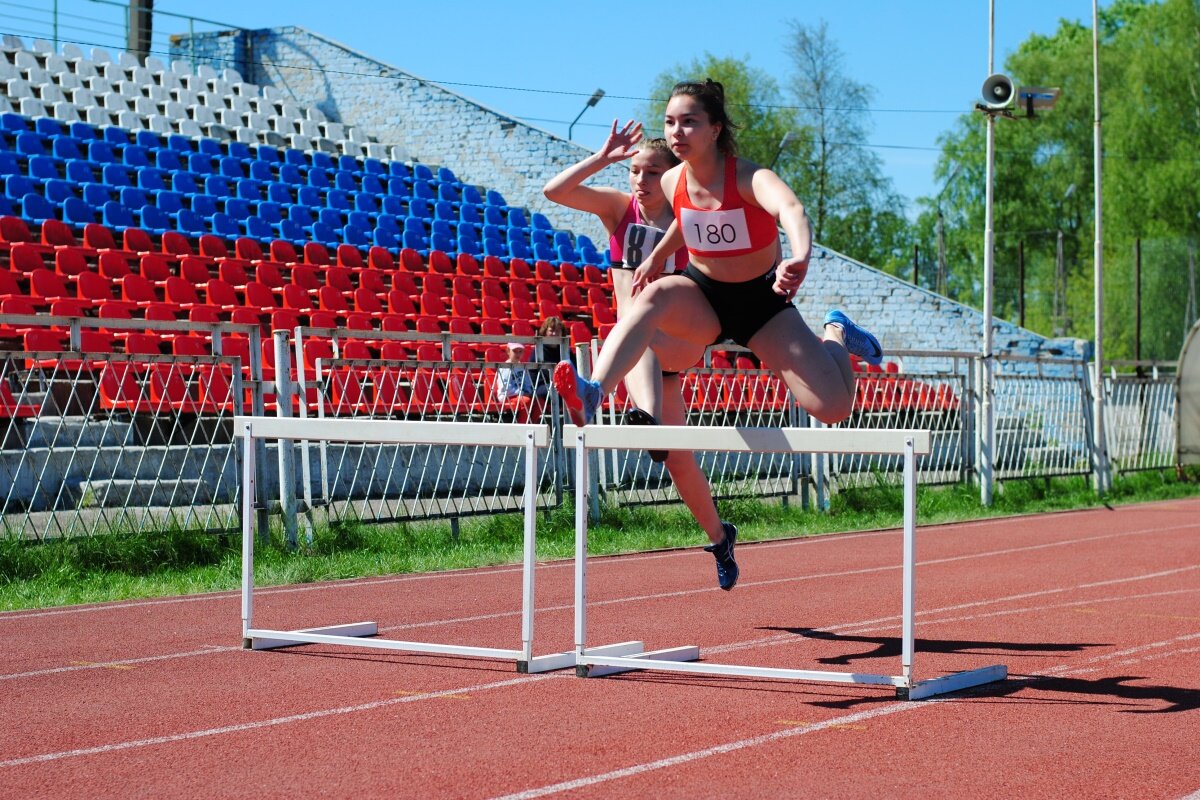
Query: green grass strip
(157, 564)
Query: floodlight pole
(595, 98)
(1102, 477)
(987, 436)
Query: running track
(1096, 613)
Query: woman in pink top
(636, 221)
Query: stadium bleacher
(134, 191)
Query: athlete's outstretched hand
(620, 144)
(645, 274)
(789, 275)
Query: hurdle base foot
(955, 682)
(547, 663)
(633, 650)
(349, 629)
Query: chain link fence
(112, 425)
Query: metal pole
(1137, 300)
(916, 265)
(1021, 283)
(941, 253)
(987, 435)
(1060, 288)
(55, 24)
(1102, 478)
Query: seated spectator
(515, 389)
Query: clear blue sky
(540, 61)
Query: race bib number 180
(715, 231)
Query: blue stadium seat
(582, 241)
(268, 154)
(395, 206)
(538, 236)
(360, 219)
(382, 237)
(518, 249)
(494, 247)
(258, 228)
(65, 147)
(567, 252)
(322, 160)
(248, 190)
(210, 147)
(562, 238)
(116, 216)
(78, 212)
(302, 215)
(225, 225)
(325, 234)
(318, 178)
(47, 126)
(101, 152)
(170, 202)
(230, 167)
(279, 193)
(493, 215)
(204, 204)
(398, 169)
(13, 123)
(355, 236)
(147, 139)
(17, 186)
(398, 188)
(11, 165)
(151, 179)
(292, 231)
(373, 166)
(261, 171)
(468, 214)
(82, 131)
(135, 156)
(271, 213)
(544, 251)
(78, 170)
(238, 208)
(97, 194)
(471, 195)
(43, 168)
(132, 197)
(410, 239)
(493, 232)
(423, 190)
(116, 175)
(191, 223)
(420, 207)
(516, 219)
(331, 217)
(422, 173)
(448, 193)
(154, 220)
(372, 184)
(295, 158)
(217, 186)
(494, 198)
(184, 183)
(240, 151)
(336, 198)
(56, 190)
(180, 144)
(200, 164)
(441, 241)
(540, 223)
(290, 173)
(349, 163)
(31, 144)
(168, 159)
(590, 255)
(308, 196)
(345, 181)
(117, 137)
(366, 203)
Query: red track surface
(1096, 614)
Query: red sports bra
(735, 229)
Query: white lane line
(267, 723)
(729, 747)
(748, 584)
(561, 564)
(206, 651)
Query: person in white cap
(514, 386)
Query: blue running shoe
(727, 568)
(580, 396)
(859, 341)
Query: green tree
(1150, 67)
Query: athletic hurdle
(628, 656)
(362, 431)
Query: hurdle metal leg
(626, 656)
(374, 431)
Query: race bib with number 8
(715, 231)
(640, 241)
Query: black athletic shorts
(742, 308)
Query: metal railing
(95, 441)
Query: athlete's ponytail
(711, 95)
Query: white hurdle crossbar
(361, 431)
(626, 656)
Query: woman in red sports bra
(726, 210)
(636, 220)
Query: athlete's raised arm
(567, 189)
